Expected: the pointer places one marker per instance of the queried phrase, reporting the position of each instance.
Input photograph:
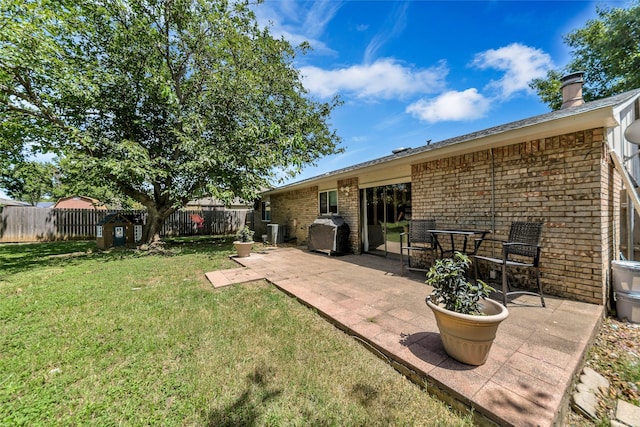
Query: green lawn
(394, 229)
(128, 338)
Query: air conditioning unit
(275, 233)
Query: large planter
(243, 248)
(468, 338)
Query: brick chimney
(572, 90)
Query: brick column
(349, 209)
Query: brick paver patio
(527, 379)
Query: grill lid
(331, 220)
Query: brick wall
(349, 209)
(296, 209)
(299, 208)
(565, 181)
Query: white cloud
(385, 78)
(395, 24)
(358, 139)
(319, 15)
(297, 22)
(520, 63)
(451, 106)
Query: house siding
(295, 209)
(565, 181)
(611, 223)
(299, 208)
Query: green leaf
(608, 52)
(451, 288)
(167, 101)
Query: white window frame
(328, 192)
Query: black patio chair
(419, 239)
(522, 249)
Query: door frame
(364, 220)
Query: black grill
(329, 233)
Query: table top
(458, 231)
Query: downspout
(493, 196)
(630, 228)
(630, 134)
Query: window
(328, 202)
(266, 211)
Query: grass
(394, 229)
(128, 338)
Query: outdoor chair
(197, 220)
(418, 240)
(522, 249)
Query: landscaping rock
(591, 386)
(616, 343)
(586, 403)
(593, 381)
(627, 414)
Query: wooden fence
(29, 224)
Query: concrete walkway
(526, 381)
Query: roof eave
(601, 117)
(589, 120)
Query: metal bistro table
(438, 234)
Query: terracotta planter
(468, 338)
(243, 248)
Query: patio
(535, 358)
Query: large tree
(78, 178)
(29, 181)
(607, 49)
(168, 99)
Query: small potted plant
(244, 242)
(467, 320)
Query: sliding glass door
(386, 211)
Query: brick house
(567, 168)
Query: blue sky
(412, 71)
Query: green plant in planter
(245, 234)
(452, 290)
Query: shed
(119, 229)
(79, 202)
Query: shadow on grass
(19, 257)
(199, 244)
(366, 395)
(247, 409)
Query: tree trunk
(154, 223)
